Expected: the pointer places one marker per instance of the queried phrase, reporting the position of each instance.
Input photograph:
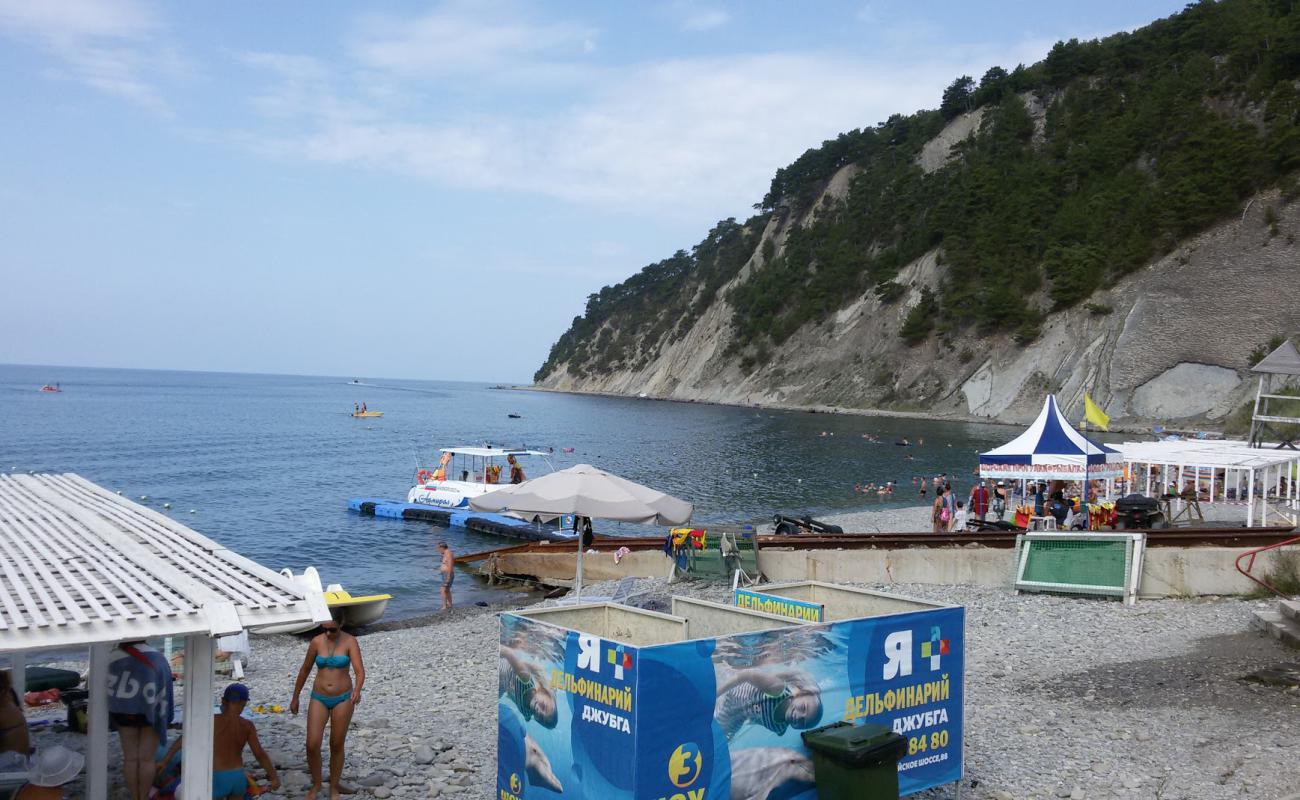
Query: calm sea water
(268, 462)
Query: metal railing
(1249, 558)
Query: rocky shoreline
(1143, 428)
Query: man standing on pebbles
(446, 570)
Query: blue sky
(419, 190)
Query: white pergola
(1253, 475)
(81, 566)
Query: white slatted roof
(79, 564)
(1214, 453)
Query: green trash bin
(855, 762)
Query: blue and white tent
(1051, 449)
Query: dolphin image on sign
(756, 772)
(538, 767)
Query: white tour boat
(465, 472)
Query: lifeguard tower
(1274, 424)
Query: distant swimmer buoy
(423, 476)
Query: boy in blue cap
(231, 733)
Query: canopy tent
(585, 491)
(82, 566)
(1050, 449)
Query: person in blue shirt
(1038, 500)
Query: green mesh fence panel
(1084, 564)
(711, 563)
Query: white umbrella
(585, 491)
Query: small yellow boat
(358, 611)
(367, 413)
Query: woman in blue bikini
(333, 697)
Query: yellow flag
(1093, 413)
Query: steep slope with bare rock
(1043, 231)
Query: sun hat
(54, 766)
(235, 693)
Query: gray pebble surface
(1066, 698)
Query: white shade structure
(1051, 449)
(1264, 481)
(81, 566)
(585, 491)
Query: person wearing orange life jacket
(440, 474)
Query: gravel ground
(913, 519)
(1066, 698)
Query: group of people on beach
(140, 709)
(948, 514)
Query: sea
(265, 464)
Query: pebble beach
(1067, 698)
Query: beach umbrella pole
(577, 588)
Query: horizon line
(352, 376)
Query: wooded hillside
(1145, 139)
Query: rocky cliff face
(962, 262)
(1173, 347)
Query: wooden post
(97, 722)
(196, 755)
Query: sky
(420, 190)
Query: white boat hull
(447, 494)
(355, 613)
(362, 614)
(284, 629)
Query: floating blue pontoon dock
(495, 524)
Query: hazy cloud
(106, 44)
(694, 136)
(704, 19)
(495, 38)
